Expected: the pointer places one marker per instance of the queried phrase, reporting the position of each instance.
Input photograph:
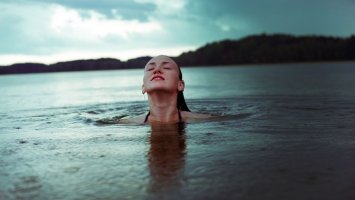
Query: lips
(157, 78)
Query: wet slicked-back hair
(181, 103)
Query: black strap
(147, 116)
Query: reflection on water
(27, 187)
(286, 132)
(166, 157)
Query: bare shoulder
(192, 116)
(139, 119)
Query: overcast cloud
(57, 30)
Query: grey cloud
(197, 24)
(10, 43)
(126, 9)
(297, 17)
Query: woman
(166, 157)
(164, 85)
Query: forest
(254, 49)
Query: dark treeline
(257, 49)
(76, 65)
(272, 49)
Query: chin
(160, 89)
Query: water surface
(286, 132)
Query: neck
(163, 107)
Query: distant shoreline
(260, 49)
(200, 66)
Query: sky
(49, 31)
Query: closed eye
(166, 65)
(150, 67)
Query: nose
(157, 70)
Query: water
(286, 132)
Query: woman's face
(161, 73)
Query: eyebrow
(163, 63)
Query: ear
(143, 89)
(181, 86)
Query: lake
(286, 131)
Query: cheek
(145, 79)
(173, 76)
